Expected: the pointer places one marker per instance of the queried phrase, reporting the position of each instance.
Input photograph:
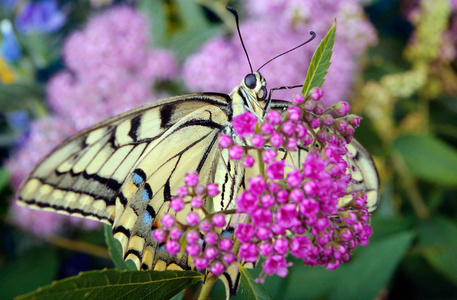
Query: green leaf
(371, 270)
(4, 178)
(29, 271)
(249, 288)
(363, 277)
(438, 240)
(179, 25)
(114, 284)
(115, 251)
(428, 158)
(320, 62)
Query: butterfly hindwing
(189, 145)
(363, 170)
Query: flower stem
(207, 287)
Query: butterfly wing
(90, 174)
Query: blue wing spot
(145, 195)
(137, 179)
(147, 218)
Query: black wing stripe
(71, 211)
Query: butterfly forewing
(83, 175)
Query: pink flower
(211, 237)
(246, 202)
(219, 220)
(177, 204)
(266, 248)
(276, 264)
(201, 263)
(287, 216)
(160, 235)
(269, 155)
(217, 268)
(275, 170)
(193, 249)
(244, 232)
(302, 247)
(262, 217)
(173, 247)
(236, 152)
(248, 162)
(205, 225)
(256, 185)
(228, 258)
(317, 94)
(294, 178)
(225, 141)
(244, 124)
(192, 236)
(249, 252)
(176, 233)
(258, 141)
(168, 220)
(276, 140)
(211, 252)
(281, 246)
(192, 219)
(342, 108)
(225, 244)
(273, 117)
(196, 202)
(212, 190)
(191, 179)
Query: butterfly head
(250, 95)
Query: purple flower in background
(9, 47)
(111, 68)
(40, 16)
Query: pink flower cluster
(111, 69)
(304, 209)
(205, 240)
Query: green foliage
(115, 251)
(249, 288)
(363, 278)
(4, 178)
(172, 22)
(320, 62)
(429, 158)
(438, 241)
(30, 270)
(114, 284)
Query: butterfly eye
(250, 81)
(262, 93)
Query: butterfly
(125, 170)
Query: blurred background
(65, 65)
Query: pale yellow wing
(83, 176)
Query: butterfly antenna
(233, 11)
(313, 35)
